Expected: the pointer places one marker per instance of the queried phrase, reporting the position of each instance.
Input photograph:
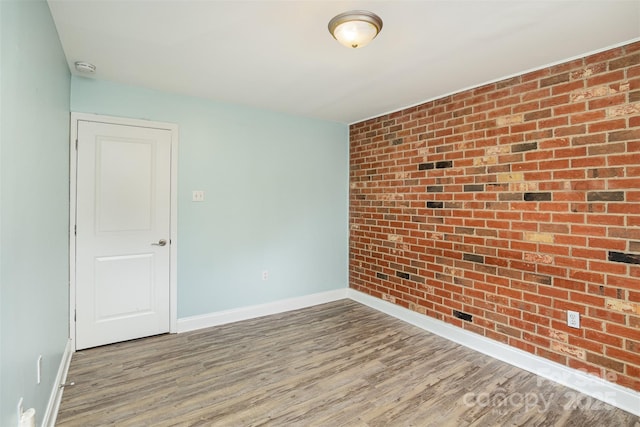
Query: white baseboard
(244, 313)
(51, 413)
(618, 396)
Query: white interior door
(123, 212)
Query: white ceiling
(278, 55)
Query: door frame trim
(173, 247)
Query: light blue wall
(276, 196)
(34, 173)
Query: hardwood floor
(336, 364)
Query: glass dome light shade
(356, 28)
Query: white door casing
(123, 235)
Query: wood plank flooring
(336, 364)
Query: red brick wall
(512, 202)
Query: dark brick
(444, 164)
(622, 257)
(499, 168)
(634, 96)
(507, 330)
(442, 277)
(606, 362)
(605, 196)
(463, 112)
(465, 230)
(473, 258)
(425, 166)
(537, 197)
(538, 278)
(397, 141)
(589, 139)
(487, 269)
(473, 187)
(434, 188)
(402, 275)
(463, 316)
(553, 80)
(454, 205)
(537, 115)
(634, 246)
(623, 135)
(570, 130)
(510, 197)
(463, 282)
(527, 146)
(600, 149)
(509, 82)
(382, 276)
(605, 173)
(435, 205)
(417, 279)
(624, 62)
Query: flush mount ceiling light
(355, 28)
(85, 67)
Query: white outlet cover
(573, 319)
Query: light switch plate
(198, 196)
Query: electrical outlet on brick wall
(573, 319)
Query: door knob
(161, 242)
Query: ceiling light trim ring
(354, 16)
